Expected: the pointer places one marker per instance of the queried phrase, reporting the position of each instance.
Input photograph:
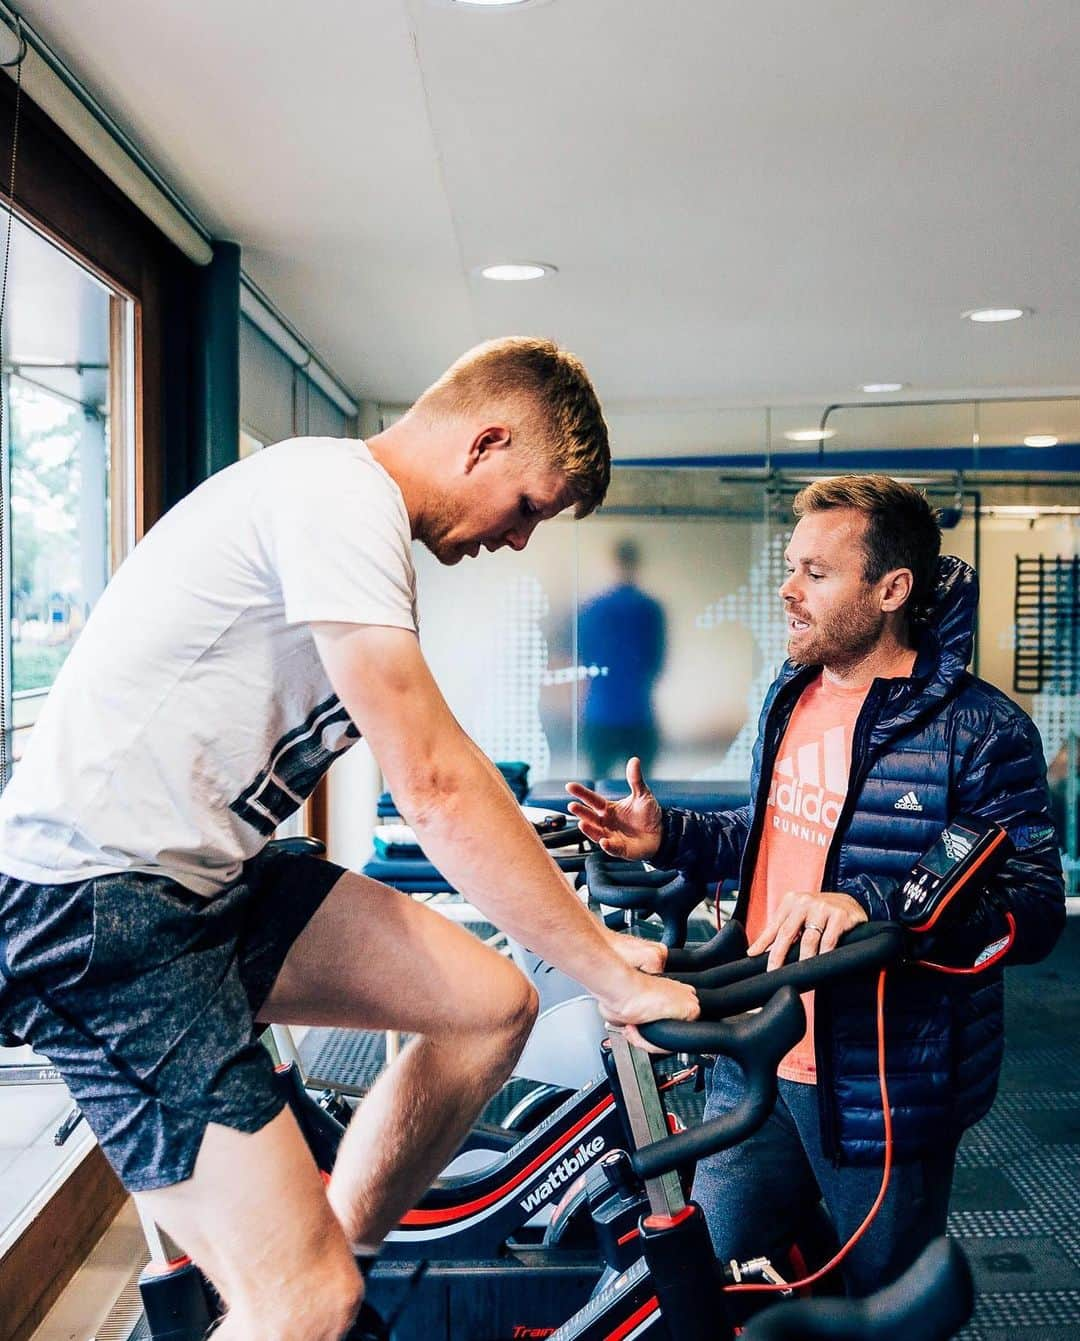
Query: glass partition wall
(654, 627)
(538, 652)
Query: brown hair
(548, 392)
(902, 528)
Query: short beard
(432, 532)
(845, 639)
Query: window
(69, 519)
(67, 401)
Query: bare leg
(372, 958)
(254, 1216)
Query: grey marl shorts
(144, 995)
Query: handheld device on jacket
(964, 848)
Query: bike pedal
(759, 1268)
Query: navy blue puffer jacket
(962, 747)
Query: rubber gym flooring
(1016, 1198)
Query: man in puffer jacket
(871, 739)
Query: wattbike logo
(562, 1173)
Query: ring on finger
(812, 926)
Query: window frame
(62, 194)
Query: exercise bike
(676, 1288)
(672, 1244)
(456, 1305)
(469, 1222)
(664, 1291)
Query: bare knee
(526, 1007)
(513, 1007)
(317, 1303)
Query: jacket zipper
(775, 725)
(823, 1053)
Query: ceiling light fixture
(491, 4)
(810, 434)
(989, 314)
(1041, 440)
(515, 272)
(880, 388)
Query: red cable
(995, 958)
(886, 1171)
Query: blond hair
(902, 528)
(550, 399)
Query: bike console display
(964, 847)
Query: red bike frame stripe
(649, 1307)
(448, 1214)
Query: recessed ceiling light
(491, 4)
(996, 313)
(515, 272)
(810, 434)
(879, 388)
(1041, 440)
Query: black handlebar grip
(726, 971)
(756, 1044)
(628, 885)
(623, 884)
(882, 944)
(728, 945)
(931, 1301)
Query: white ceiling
(749, 202)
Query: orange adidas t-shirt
(806, 795)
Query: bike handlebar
(932, 1300)
(870, 946)
(756, 1044)
(727, 946)
(622, 884)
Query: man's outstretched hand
(629, 828)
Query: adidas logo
(956, 845)
(909, 801)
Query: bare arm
(469, 824)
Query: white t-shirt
(193, 714)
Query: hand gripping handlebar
(744, 984)
(757, 1044)
(931, 1301)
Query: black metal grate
(1047, 616)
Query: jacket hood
(946, 638)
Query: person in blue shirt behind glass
(622, 633)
